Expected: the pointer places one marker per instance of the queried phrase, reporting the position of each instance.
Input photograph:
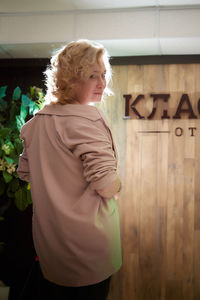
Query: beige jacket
(68, 154)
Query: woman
(70, 160)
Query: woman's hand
(111, 190)
(116, 196)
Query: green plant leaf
(7, 177)
(3, 91)
(15, 159)
(29, 199)
(9, 160)
(32, 108)
(21, 199)
(32, 91)
(20, 122)
(18, 146)
(3, 105)
(9, 193)
(4, 132)
(25, 100)
(15, 175)
(14, 110)
(23, 112)
(16, 94)
(14, 185)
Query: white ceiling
(35, 28)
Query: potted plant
(16, 247)
(13, 115)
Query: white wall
(141, 31)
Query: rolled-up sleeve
(93, 146)
(23, 167)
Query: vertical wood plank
(197, 155)
(188, 229)
(175, 207)
(174, 290)
(147, 238)
(196, 265)
(131, 219)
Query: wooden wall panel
(160, 200)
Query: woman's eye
(92, 76)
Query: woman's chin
(97, 99)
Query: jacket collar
(85, 111)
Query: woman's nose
(101, 82)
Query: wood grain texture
(160, 201)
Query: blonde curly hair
(72, 63)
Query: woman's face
(91, 89)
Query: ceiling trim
(121, 60)
(108, 10)
(155, 59)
